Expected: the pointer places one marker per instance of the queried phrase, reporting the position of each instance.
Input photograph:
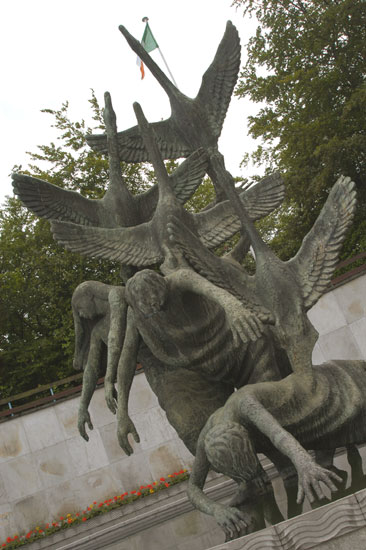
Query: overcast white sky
(56, 51)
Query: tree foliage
(38, 276)
(306, 68)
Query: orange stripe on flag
(142, 69)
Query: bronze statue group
(228, 354)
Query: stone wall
(48, 470)
(340, 318)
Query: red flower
(133, 492)
(100, 504)
(15, 537)
(95, 502)
(9, 539)
(69, 520)
(115, 498)
(84, 519)
(142, 487)
(162, 479)
(40, 531)
(62, 518)
(139, 494)
(28, 535)
(166, 484)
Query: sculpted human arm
(116, 335)
(244, 324)
(90, 378)
(125, 374)
(230, 519)
(310, 474)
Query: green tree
(306, 67)
(37, 276)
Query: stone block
(13, 440)
(164, 460)
(317, 357)
(157, 539)
(351, 298)
(358, 330)
(87, 456)
(4, 497)
(42, 429)
(327, 314)
(67, 414)
(153, 428)
(62, 499)
(265, 539)
(130, 474)
(108, 435)
(142, 398)
(95, 486)
(54, 465)
(99, 412)
(184, 454)
(201, 541)
(340, 344)
(8, 525)
(31, 511)
(326, 523)
(20, 477)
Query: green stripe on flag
(148, 41)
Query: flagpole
(145, 20)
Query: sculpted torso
(184, 329)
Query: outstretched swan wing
(318, 255)
(54, 203)
(127, 245)
(220, 78)
(218, 224)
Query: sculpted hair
(230, 451)
(142, 281)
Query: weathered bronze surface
(201, 326)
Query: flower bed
(95, 509)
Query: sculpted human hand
(245, 324)
(310, 477)
(231, 520)
(84, 418)
(110, 396)
(124, 427)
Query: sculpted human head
(147, 291)
(90, 299)
(230, 451)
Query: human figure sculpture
(286, 289)
(99, 312)
(206, 328)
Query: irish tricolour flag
(149, 43)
